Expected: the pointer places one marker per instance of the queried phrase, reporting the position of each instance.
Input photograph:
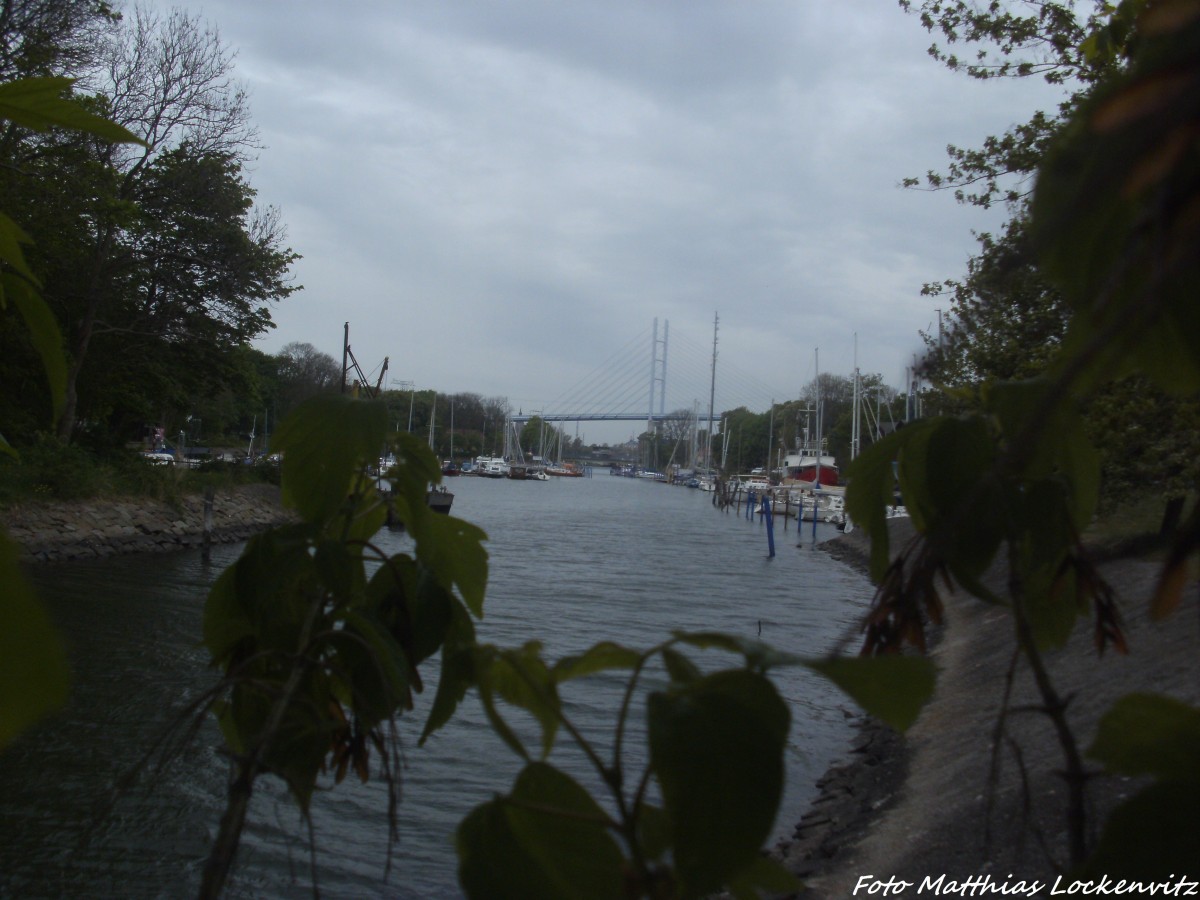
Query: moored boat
(809, 466)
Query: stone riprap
(60, 531)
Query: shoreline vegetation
(947, 799)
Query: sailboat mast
(712, 394)
(855, 429)
(817, 366)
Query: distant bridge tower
(655, 377)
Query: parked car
(158, 457)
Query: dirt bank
(58, 531)
(938, 801)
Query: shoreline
(860, 786)
(64, 531)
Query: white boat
(491, 467)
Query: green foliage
(891, 688)
(1152, 833)
(33, 662)
(38, 104)
(320, 639)
(715, 750)
(319, 634)
(547, 838)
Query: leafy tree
(532, 434)
(51, 37)
(303, 371)
(747, 439)
(1004, 319)
(168, 81)
(1019, 38)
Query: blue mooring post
(750, 505)
(766, 510)
(814, 533)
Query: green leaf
(1150, 734)
(679, 667)
(716, 748)
(458, 671)
(225, 621)
(764, 876)
(522, 678)
(890, 688)
(297, 750)
(602, 657)
(43, 334)
(33, 663)
(548, 838)
(416, 609)
(326, 443)
(373, 664)
(759, 656)
(1153, 835)
(276, 583)
(339, 570)
(948, 480)
(1062, 450)
(653, 831)
(872, 488)
(37, 103)
(1041, 513)
(485, 658)
(453, 551)
(11, 239)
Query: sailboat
(438, 498)
(449, 466)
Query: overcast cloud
(501, 196)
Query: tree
(1007, 319)
(303, 371)
(533, 434)
(1018, 38)
(51, 37)
(168, 81)
(1004, 319)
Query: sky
(503, 197)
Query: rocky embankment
(968, 795)
(57, 531)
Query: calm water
(573, 561)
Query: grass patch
(47, 470)
(1134, 526)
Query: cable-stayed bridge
(658, 376)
